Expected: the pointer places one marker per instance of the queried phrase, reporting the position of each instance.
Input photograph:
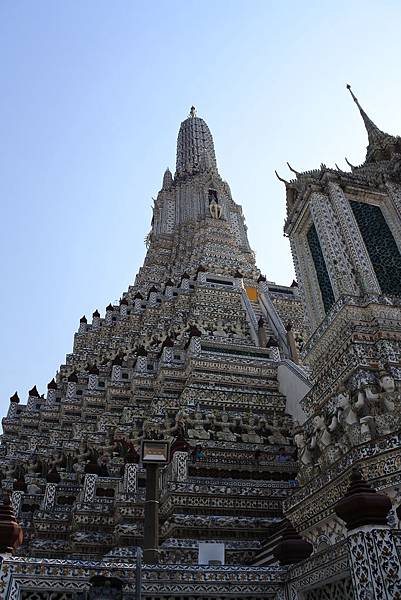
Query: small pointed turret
(82, 324)
(167, 179)
(15, 398)
(34, 392)
(52, 385)
(51, 392)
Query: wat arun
(278, 406)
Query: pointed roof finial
(281, 179)
(353, 96)
(372, 129)
(192, 112)
(293, 170)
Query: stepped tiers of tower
(192, 352)
(271, 399)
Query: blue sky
(93, 93)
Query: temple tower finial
(371, 127)
(194, 140)
(381, 145)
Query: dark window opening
(321, 269)
(213, 196)
(380, 244)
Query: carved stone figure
(215, 209)
(346, 413)
(277, 437)
(225, 433)
(305, 456)
(388, 391)
(198, 430)
(322, 439)
(251, 437)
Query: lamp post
(154, 453)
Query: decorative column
(123, 307)
(168, 289)
(141, 364)
(109, 315)
(372, 553)
(50, 497)
(130, 479)
(365, 274)
(195, 345)
(335, 251)
(138, 298)
(12, 409)
(72, 386)
(167, 350)
(179, 466)
(309, 290)
(51, 392)
(274, 353)
(93, 378)
(185, 282)
(16, 499)
(33, 398)
(116, 369)
(95, 320)
(152, 296)
(82, 325)
(89, 488)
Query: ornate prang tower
(345, 234)
(283, 477)
(196, 352)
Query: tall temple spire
(371, 128)
(381, 144)
(194, 142)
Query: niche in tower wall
(381, 246)
(321, 269)
(213, 196)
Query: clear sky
(93, 93)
